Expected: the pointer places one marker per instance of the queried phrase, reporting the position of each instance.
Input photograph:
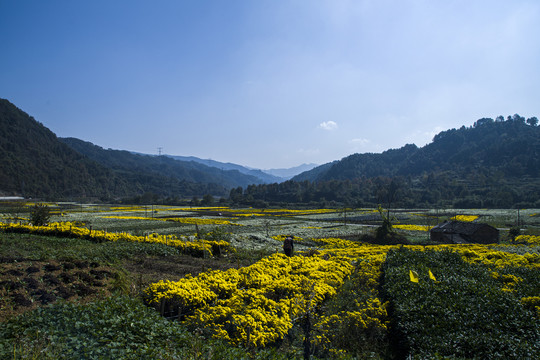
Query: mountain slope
(262, 176)
(287, 174)
(34, 163)
(126, 162)
(508, 148)
(494, 164)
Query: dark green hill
(259, 176)
(35, 164)
(495, 163)
(509, 148)
(128, 163)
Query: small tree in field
(40, 215)
(386, 227)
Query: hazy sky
(268, 84)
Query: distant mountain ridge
(266, 176)
(510, 148)
(259, 174)
(494, 163)
(161, 165)
(287, 174)
(36, 163)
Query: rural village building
(458, 232)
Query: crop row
(464, 311)
(198, 248)
(255, 305)
(333, 294)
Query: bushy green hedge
(116, 328)
(464, 314)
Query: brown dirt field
(143, 271)
(27, 284)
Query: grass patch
(464, 314)
(116, 328)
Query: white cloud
(328, 125)
(360, 142)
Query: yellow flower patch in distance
(128, 217)
(528, 239)
(336, 243)
(477, 253)
(183, 220)
(127, 208)
(278, 212)
(200, 221)
(465, 218)
(283, 237)
(199, 208)
(411, 227)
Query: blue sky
(268, 84)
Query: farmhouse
(458, 232)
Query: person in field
(288, 245)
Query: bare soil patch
(26, 284)
(146, 270)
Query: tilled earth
(26, 284)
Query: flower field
(196, 248)
(492, 292)
(336, 297)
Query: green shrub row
(42, 247)
(464, 314)
(117, 328)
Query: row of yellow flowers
(528, 239)
(411, 227)
(485, 254)
(465, 218)
(183, 220)
(255, 305)
(259, 304)
(503, 261)
(195, 248)
(366, 317)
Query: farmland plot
(336, 297)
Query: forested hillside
(35, 164)
(190, 171)
(259, 176)
(494, 163)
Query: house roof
(458, 227)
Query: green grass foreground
(463, 314)
(116, 328)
